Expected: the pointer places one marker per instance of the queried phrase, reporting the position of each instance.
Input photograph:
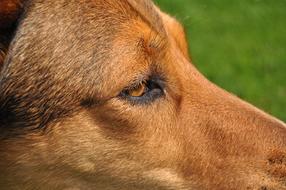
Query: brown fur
(9, 12)
(64, 125)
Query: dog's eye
(138, 90)
(143, 92)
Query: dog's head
(100, 94)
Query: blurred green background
(239, 45)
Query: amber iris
(138, 90)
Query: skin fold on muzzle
(102, 94)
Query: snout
(240, 146)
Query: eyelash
(155, 90)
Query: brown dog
(100, 94)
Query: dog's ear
(10, 10)
(177, 31)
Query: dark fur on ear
(10, 11)
(2, 54)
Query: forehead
(120, 11)
(85, 43)
(133, 33)
(86, 49)
(138, 41)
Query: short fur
(63, 124)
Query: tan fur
(63, 124)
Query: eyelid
(135, 84)
(158, 78)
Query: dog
(101, 94)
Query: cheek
(152, 129)
(104, 138)
(120, 117)
(82, 146)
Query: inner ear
(10, 11)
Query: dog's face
(101, 95)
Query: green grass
(239, 45)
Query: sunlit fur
(63, 126)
